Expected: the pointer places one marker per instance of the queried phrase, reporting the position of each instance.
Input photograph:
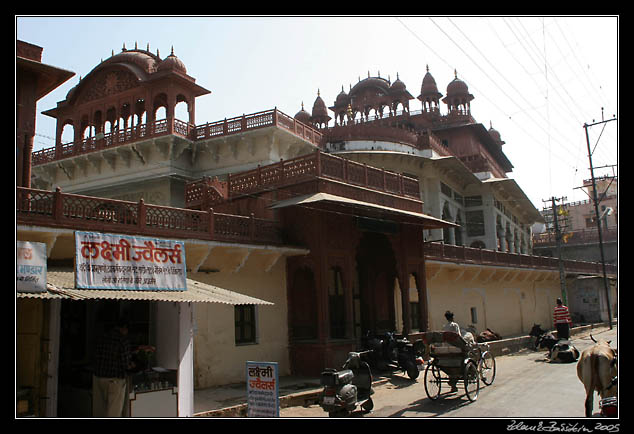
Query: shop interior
(82, 323)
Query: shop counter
(153, 393)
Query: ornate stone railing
(586, 236)
(72, 211)
(469, 255)
(319, 164)
(111, 140)
(236, 125)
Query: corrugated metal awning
(61, 284)
(429, 222)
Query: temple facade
(364, 216)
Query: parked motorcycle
(609, 406)
(348, 388)
(391, 353)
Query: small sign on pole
(263, 397)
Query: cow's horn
(592, 339)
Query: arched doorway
(303, 305)
(376, 269)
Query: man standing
(562, 321)
(112, 360)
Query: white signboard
(263, 397)
(110, 261)
(30, 260)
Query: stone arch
(160, 102)
(182, 108)
(67, 131)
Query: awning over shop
(427, 221)
(61, 285)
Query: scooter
(390, 353)
(348, 388)
(609, 406)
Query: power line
(520, 126)
(574, 104)
(496, 85)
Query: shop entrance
(376, 270)
(82, 322)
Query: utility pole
(596, 211)
(558, 238)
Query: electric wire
(484, 95)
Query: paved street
(525, 386)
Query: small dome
(172, 62)
(319, 107)
(342, 98)
(398, 85)
(429, 87)
(495, 135)
(303, 115)
(457, 87)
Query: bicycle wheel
(432, 381)
(471, 380)
(486, 366)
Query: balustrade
(320, 164)
(57, 209)
(162, 127)
(462, 254)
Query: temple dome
(429, 87)
(172, 62)
(377, 85)
(457, 88)
(303, 116)
(398, 85)
(319, 107)
(495, 135)
(342, 98)
(141, 58)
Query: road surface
(525, 386)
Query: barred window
(245, 324)
(475, 223)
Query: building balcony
(71, 211)
(575, 238)
(468, 255)
(337, 176)
(165, 127)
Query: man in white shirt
(453, 326)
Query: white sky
(536, 79)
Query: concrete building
(588, 298)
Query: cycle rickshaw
(453, 358)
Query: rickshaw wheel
(432, 381)
(471, 380)
(486, 366)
